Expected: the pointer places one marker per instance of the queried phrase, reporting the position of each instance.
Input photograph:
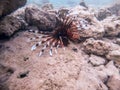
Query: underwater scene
(71, 3)
(59, 44)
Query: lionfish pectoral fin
(33, 47)
(50, 52)
(43, 49)
(40, 53)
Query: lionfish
(66, 31)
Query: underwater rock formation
(8, 6)
(96, 60)
(91, 26)
(9, 25)
(103, 48)
(90, 64)
(102, 14)
(13, 23)
(97, 47)
(111, 26)
(47, 7)
(114, 55)
(82, 3)
(115, 9)
(114, 83)
(45, 21)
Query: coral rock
(118, 41)
(114, 83)
(102, 14)
(115, 9)
(96, 60)
(91, 26)
(97, 47)
(104, 71)
(47, 7)
(42, 19)
(9, 25)
(111, 26)
(114, 55)
(8, 6)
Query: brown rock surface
(98, 47)
(47, 7)
(8, 6)
(111, 26)
(115, 9)
(63, 71)
(9, 25)
(42, 19)
(102, 14)
(114, 83)
(97, 60)
(92, 28)
(114, 55)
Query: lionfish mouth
(64, 32)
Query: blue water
(71, 3)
